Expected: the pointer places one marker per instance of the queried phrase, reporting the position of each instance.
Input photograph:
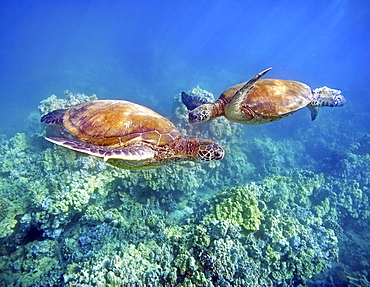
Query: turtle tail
(54, 117)
(325, 97)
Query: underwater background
(287, 206)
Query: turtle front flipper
(249, 85)
(193, 101)
(236, 110)
(130, 153)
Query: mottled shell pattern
(127, 135)
(260, 101)
(271, 97)
(110, 123)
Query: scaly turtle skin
(260, 101)
(127, 135)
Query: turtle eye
(199, 114)
(193, 117)
(211, 151)
(218, 153)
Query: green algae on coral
(7, 217)
(54, 103)
(187, 225)
(144, 245)
(238, 206)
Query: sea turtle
(127, 135)
(260, 101)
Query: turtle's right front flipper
(240, 95)
(249, 85)
(130, 153)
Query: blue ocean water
(150, 51)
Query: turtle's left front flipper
(325, 97)
(192, 101)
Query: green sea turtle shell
(271, 97)
(117, 123)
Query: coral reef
(266, 215)
(272, 156)
(239, 207)
(54, 103)
(283, 242)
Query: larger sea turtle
(260, 101)
(127, 135)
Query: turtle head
(210, 150)
(200, 114)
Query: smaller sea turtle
(260, 101)
(127, 135)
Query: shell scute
(272, 97)
(118, 123)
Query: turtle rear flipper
(326, 97)
(131, 153)
(54, 117)
(314, 111)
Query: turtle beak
(193, 117)
(219, 153)
(211, 150)
(199, 114)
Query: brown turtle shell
(272, 97)
(115, 123)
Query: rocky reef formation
(266, 215)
